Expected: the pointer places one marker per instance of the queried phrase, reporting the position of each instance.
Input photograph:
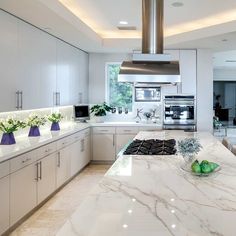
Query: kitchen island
(152, 195)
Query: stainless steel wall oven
(179, 112)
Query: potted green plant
(8, 127)
(55, 118)
(189, 148)
(100, 110)
(34, 121)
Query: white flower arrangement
(11, 125)
(35, 120)
(189, 146)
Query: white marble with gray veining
(25, 144)
(151, 195)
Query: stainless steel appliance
(151, 147)
(151, 66)
(147, 93)
(179, 112)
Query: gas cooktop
(151, 147)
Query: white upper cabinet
(63, 72)
(38, 65)
(8, 61)
(188, 71)
(82, 93)
(48, 67)
(30, 65)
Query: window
(119, 94)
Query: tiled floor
(51, 216)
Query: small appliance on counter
(179, 112)
(81, 113)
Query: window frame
(107, 87)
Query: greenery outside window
(118, 94)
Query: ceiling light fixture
(224, 40)
(177, 4)
(209, 21)
(122, 22)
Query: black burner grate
(151, 147)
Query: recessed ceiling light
(177, 4)
(123, 22)
(224, 40)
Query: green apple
(205, 167)
(213, 165)
(196, 168)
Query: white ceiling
(103, 16)
(198, 24)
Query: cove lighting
(213, 20)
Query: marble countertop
(152, 195)
(122, 123)
(25, 143)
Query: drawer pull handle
(40, 170)
(26, 160)
(37, 171)
(104, 130)
(48, 150)
(127, 130)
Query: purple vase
(8, 139)
(34, 131)
(55, 126)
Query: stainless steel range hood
(151, 65)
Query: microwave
(147, 93)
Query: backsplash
(66, 111)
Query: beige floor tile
(54, 213)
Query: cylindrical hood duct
(152, 33)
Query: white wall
(97, 74)
(204, 90)
(224, 74)
(97, 83)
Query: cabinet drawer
(75, 137)
(4, 169)
(127, 130)
(22, 160)
(64, 142)
(47, 150)
(104, 130)
(85, 133)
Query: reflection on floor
(50, 217)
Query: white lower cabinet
(46, 177)
(4, 204)
(86, 150)
(104, 148)
(63, 166)
(23, 192)
(27, 180)
(76, 159)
